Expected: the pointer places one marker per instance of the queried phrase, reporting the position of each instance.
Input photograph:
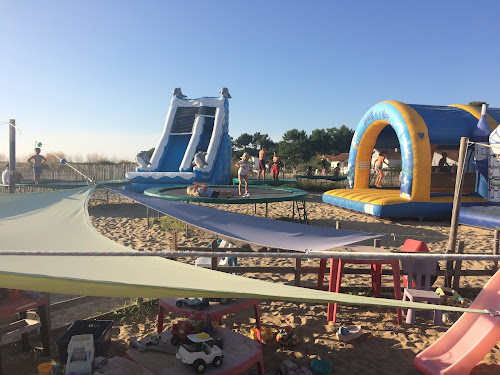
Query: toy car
(197, 322)
(197, 303)
(451, 297)
(290, 368)
(199, 351)
(286, 337)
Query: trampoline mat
(258, 194)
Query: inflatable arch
(419, 130)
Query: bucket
(44, 368)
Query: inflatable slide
(195, 145)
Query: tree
(321, 141)
(478, 104)
(341, 139)
(295, 146)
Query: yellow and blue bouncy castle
(418, 130)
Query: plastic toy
(197, 303)
(290, 368)
(265, 334)
(196, 323)
(199, 351)
(286, 337)
(321, 367)
(348, 333)
(80, 354)
(451, 298)
(222, 301)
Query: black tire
(217, 362)
(199, 306)
(179, 303)
(199, 366)
(223, 301)
(175, 340)
(290, 343)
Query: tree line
(297, 147)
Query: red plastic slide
(468, 340)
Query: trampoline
(63, 184)
(316, 177)
(258, 194)
(254, 181)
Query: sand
(385, 349)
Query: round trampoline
(63, 184)
(258, 194)
(254, 181)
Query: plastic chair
(419, 272)
(206, 262)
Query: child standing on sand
(378, 165)
(243, 171)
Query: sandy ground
(386, 349)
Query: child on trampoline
(243, 171)
(378, 165)
(201, 189)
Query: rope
(307, 255)
(76, 170)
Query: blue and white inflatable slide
(195, 145)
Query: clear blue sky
(97, 75)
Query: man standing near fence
(37, 161)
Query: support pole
(457, 200)
(496, 247)
(215, 260)
(175, 244)
(12, 154)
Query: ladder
(301, 211)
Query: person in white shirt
(243, 171)
(6, 175)
(201, 189)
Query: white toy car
(198, 351)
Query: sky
(96, 76)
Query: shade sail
(58, 221)
(247, 229)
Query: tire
(223, 301)
(217, 361)
(175, 340)
(199, 366)
(179, 303)
(290, 343)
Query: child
(201, 189)
(276, 166)
(243, 171)
(37, 161)
(379, 163)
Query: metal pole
(12, 155)
(457, 200)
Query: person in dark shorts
(37, 161)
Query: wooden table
(337, 266)
(21, 306)
(240, 354)
(215, 308)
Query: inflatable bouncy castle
(195, 145)
(418, 131)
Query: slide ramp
(466, 343)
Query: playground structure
(418, 131)
(195, 145)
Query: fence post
(458, 266)
(215, 260)
(12, 154)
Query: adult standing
(262, 163)
(37, 161)
(276, 166)
(6, 175)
